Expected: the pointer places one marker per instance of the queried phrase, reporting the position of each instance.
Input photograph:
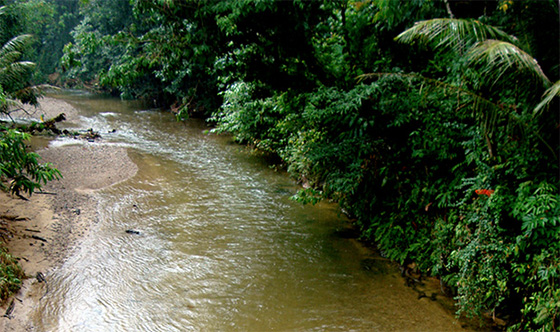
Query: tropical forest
(432, 127)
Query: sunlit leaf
(451, 34)
(548, 97)
(497, 58)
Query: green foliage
(430, 169)
(536, 252)
(94, 47)
(444, 155)
(11, 275)
(21, 168)
(13, 74)
(49, 22)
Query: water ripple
(221, 246)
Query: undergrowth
(11, 275)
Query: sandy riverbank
(61, 215)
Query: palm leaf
(497, 58)
(451, 34)
(9, 57)
(12, 70)
(548, 96)
(15, 44)
(12, 74)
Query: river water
(222, 247)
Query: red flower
(486, 192)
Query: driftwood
(50, 126)
(38, 238)
(45, 193)
(9, 310)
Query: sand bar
(62, 214)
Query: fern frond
(499, 57)
(548, 96)
(451, 34)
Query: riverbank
(50, 223)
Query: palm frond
(499, 57)
(11, 70)
(12, 73)
(451, 34)
(17, 43)
(14, 87)
(9, 57)
(548, 96)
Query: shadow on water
(220, 246)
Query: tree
(19, 167)
(487, 69)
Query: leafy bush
(20, 167)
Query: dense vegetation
(20, 170)
(434, 124)
(18, 167)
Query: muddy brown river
(222, 247)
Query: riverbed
(216, 243)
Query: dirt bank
(51, 223)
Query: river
(222, 247)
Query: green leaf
(451, 34)
(548, 97)
(497, 58)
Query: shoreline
(53, 222)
